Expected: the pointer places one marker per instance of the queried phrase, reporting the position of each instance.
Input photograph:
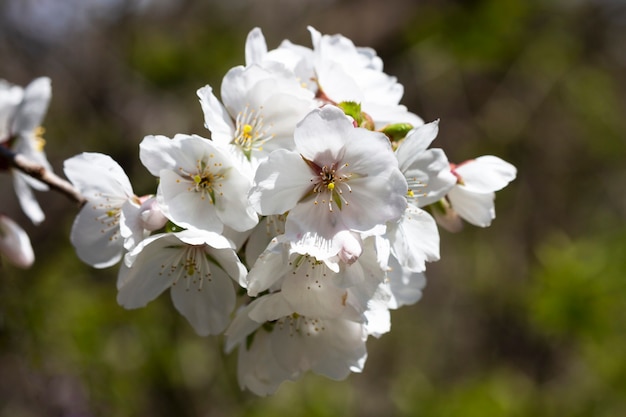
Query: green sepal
(353, 109)
(173, 227)
(397, 131)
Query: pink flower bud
(152, 217)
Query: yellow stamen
(331, 186)
(40, 142)
(246, 130)
(410, 193)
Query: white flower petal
(184, 206)
(156, 267)
(10, 98)
(208, 308)
(269, 307)
(310, 289)
(268, 228)
(256, 48)
(416, 142)
(240, 328)
(96, 236)
(377, 313)
(216, 118)
(269, 267)
(280, 182)
(27, 199)
(486, 174)
(406, 286)
(337, 84)
(257, 367)
(155, 153)
(414, 239)
(97, 175)
(311, 228)
(429, 177)
(340, 349)
(475, 208)
(323, 134)
(33, 107)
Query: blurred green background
(525, 318)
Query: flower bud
(152, 217)
(351, 247)
(15, 244)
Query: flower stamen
(250, 134)
(204, 180)
(330, 183)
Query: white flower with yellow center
(21, 132)
(339, 178)
(426, 170)
(96, 229)
(199, 187)
(261, 108)
(414, 238)
(197, 266)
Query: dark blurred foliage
(525, 318)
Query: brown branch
(20, 162)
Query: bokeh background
(525, 318)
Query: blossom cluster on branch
(310, 212)
(22, 156)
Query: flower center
(250, 132)
(330, 184)
(204, 180)
(191, 265)
(415, 190)
(110, 210)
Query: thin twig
(20, 162)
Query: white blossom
(427, 171)
(199, 186)
(290, 344)
(96, 229)
(196, 266)
(21, 114)
(322, 289)
(472, 198)
(314, 172)
(339, 178)
(261, 109)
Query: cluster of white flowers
(317, 195)
(21, 113)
